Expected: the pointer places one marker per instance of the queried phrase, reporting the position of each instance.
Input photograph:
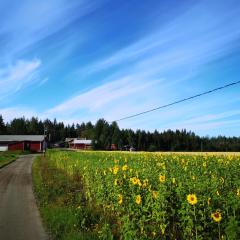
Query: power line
(179, 101)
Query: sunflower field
(121, 195)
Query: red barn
(32, 143)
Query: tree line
(105, 135)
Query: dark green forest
(104, 135)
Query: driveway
(19, 216)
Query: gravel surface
(19, 216)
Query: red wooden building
(32, 143)
(80, 144)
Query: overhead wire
(178, 101)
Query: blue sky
(82, 60)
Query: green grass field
(7, 157)
(121, 195)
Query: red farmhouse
(32, 143)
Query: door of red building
(26, 146)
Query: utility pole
(45, 141)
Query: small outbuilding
(34, 143)
(83, 144)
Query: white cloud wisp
(15, 77)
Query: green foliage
(105, 134)
(7, 157)
(3, 128)
(232, 229)
(63, 206)
(117, 195)
(152, 148)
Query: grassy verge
(7, 157)
(63, 207)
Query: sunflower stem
(219, 231)
(195, 222)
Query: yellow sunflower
(217, 217)
(138, 199)
(173, 180)
(145, 183)
(125, 167)
(222, 180)
(154, 194)
(134, 180)
(162, 178)
(192, 199)
(120, 199)
(115, 169)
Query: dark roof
(17, 138)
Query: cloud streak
(100, 97)
(14, 77)
(42, 20)
(127, 68)
(179, 42)
(17, 112)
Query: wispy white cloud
(102, 96)
(175, 52)
(186, 40)
(213, 117)
(194, 115)
(17, 112)
(16, 76)
(208, 122)
(30, 22)
(208, 127)
(24, 27)
(43, 81)
(187, 43)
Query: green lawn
(7, 157)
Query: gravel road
(19, 216)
